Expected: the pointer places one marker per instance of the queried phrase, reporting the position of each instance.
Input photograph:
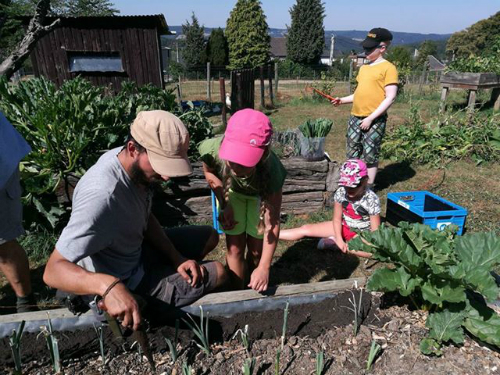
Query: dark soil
(326, 326)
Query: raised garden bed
(324, 324)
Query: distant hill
(347, 40)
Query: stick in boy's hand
(336, 101)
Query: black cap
(375, 37)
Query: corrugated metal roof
(142, 21)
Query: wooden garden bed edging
(306, 188)
(63, 319)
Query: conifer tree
(306, 35)
(217, 48)
(194, 52)
(247, 35)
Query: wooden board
(281, 291)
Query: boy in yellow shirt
(375, 93)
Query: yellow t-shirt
(370, 92)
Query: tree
(399, 56)
(306, 35)
(37, 28)
(475, 39)
(428, 47)
(217, 48)
(247, 35)
(194, 52)
(85, 8)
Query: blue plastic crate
(425, 208)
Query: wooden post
(422, 79)
(471, 102)
(222, 85)
(239, 86)
(269, 73)
(276, 78)
(444, 94)
(179, 91)
(209, 92)
(351, 66)
(262, 88)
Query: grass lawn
(476, 188)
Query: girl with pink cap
(356, 208)
(247, 179)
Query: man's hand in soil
(259, 279)
(366, 123)
(120, 304)
(192, 272)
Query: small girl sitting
(356, 207)
(247, 179)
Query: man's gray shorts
(162, 281)
(11, 210)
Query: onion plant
(285, 322)
(186, 369)
(244, 337)
(53, 345)
(374, 351)
(248, 366)
(15, 346)
(100, 337)
(320, 363)
(172, 346)
(356, 309)
(201, 331)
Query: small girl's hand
(342, 246)
(226, 218)
(259, 279)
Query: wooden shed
(105, 50)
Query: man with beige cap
(113, 244)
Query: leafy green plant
(53, 345)
(172, 346)
(199, 128)
(316, 128)
(15, 346)
(447, 136)
(374, 351)
(249, 366)
(445, 274)
(320, 363)
(201, 331)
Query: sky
(418, 16)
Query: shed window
(95, 62)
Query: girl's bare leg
(324, 229)
(235, 258)
(254, 253)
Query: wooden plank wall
(138, 48)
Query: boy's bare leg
(235, 258)
(320, 230)
(15, 266)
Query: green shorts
(365, 144)
(246, 210)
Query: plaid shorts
(362, 144)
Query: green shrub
(445, 274)
(69, 128)
(448, 136)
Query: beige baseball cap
(166, 141)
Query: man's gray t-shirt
(108, 220)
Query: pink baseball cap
(351, 172)
(247, 135)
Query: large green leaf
(480, 280)
(446, 326)
(430, 347)
(438, 291)
(389, 280)
(482, 322)
(479, 249)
